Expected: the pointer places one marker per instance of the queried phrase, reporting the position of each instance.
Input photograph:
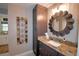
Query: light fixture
(55, 10)
(60, 8)
(63, 7)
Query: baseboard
(27, 53)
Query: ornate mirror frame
(69, 23)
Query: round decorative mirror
(61, 23)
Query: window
(5, 27)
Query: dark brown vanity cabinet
(45, 50)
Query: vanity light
(55, 10)
(64, 7)
(59, 8)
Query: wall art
(21, 30)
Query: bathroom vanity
(59, 25)
(57, 48)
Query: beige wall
(74, 8)
(13, 12)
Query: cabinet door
(46, 51)
(39, 25)
(59, 54)
(52, 52)
(41, 20)
(42, 49)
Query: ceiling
(26, 5)
(4, 6)
(47, 5)
(32, 5)
(29, 5)
(50, 5)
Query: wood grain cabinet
(45, 50)
(39, 25)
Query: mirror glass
(59, 24)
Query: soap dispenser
(47, 36)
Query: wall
(13, 12)
(75, 9)
(72, 36)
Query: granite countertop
(66, 48)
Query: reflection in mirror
(59, 24)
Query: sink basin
(55, 44)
